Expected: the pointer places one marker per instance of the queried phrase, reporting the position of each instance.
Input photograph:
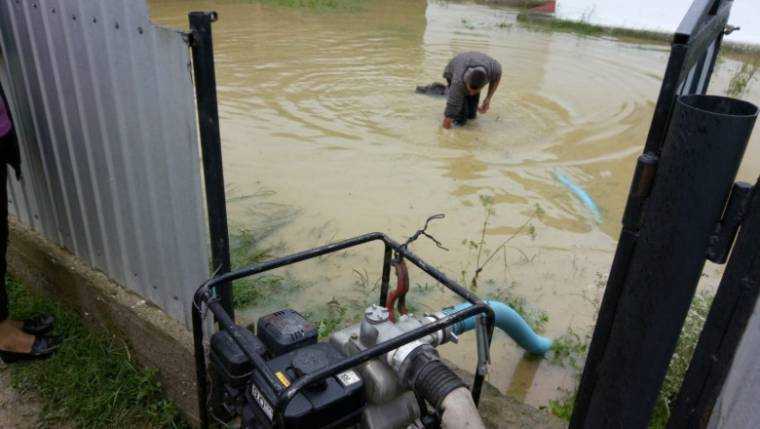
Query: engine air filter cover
(284, 331)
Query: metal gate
(683, 209)
(106, 117)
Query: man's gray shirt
(454, 73)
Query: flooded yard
(324, 138)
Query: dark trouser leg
(469, 109)
(471, 105)
(3, 239)
(461, 117)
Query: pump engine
(381, 373)
(389, 391)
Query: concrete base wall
(157, 341)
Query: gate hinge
(730, 29)
(641, 187)
(724, 235)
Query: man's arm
(494, 79)
(491, 91)
(448, 122)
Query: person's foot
(13, 339)
(42, 348)
(37, 325)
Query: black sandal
(38, 325)
(43, 348)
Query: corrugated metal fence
(104, 106)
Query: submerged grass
(741, 80)
(339, 313)
(92, 381)
(325, 5)
(483, 256)
(535, 317)
(584, 28)
(538, 21)
(246, 249)
(570, 350)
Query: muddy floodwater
(324, 138)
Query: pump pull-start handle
(402, 287)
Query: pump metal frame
(205, 297)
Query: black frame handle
(204, 295)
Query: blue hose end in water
(541, 346)
(509, 321)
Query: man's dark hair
(476, 78)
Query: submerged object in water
(434, 89)
(509, 321)
(579, 192)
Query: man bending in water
(467, 74)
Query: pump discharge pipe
(509, 321)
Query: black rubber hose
(431, 378)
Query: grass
(483, 257)
(324, 5)
(535, 317)
(246, 249)
(486, 256)
(570, 350)
(741, 80)
(679, 363)
(584, 28)
(337, 314)
(737, 51)
(563, 408)
(92, 381)
(333, 318)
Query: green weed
(563, 407)
(468, 24)
(92, 381)
(535, 317)
(483, 256)
(246, 249)
(741, 80)
(679, 363)
(570, 350)
(325, 5)
(334, 319)
(584, 28)
(337, 314)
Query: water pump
(383, 372)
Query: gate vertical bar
(708, 135)
(729, 315)
(640, 187)
(694, 50)
(211, 147)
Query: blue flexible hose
(509, 321)
(579, 192)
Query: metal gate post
(731, 310)
(640, 188)
(211, 147)
(699, 161)
(694, 50)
